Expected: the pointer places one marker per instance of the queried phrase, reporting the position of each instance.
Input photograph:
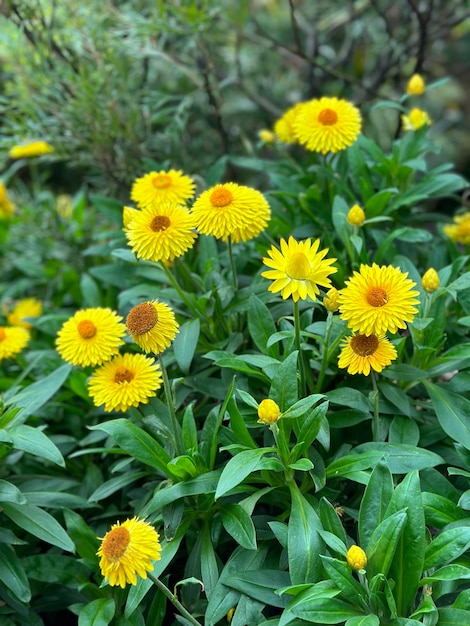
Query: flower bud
(268, 412)
(266, 136)
(356, 558)
(416, 85)
(230, 613)
(331, 300)
(356, 216)
(416, 119)
(430, 281)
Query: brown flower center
(221, 197)
(86, 329)
(141, 319)
(2, 333)
(327, 117)
(377, 296)
(123, 375)
(159, 223)
(298, 266)
(364, 345)
(115, 543)
(161, 181)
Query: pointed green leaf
(239, 467)
(239, 524)
(452, 411)
(383, 543)
(447, 546)
(375, 501)
(261, 326)
(12, 574)
(98, 612)
(34, 441)
(284, 387)
(185, 343)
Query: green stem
(232, 264)
(184, 297)
(174, 600)
(324, 361)
(376, 417)
(171, 408)
(298, 348)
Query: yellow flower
(30, 307)
(415, 119)
(330, 301)
(266, 136)
(283, 127)
(7, 207)
(128, 549)
(152, 326)
(90, 337)
(416, 85)
(356, 558)
(12, 340)
(160, 232)
(327, 125)
(361, 353)
(128, 214)
(378, 299)
(298, 269)
(172, 186)
(356, 216)
(268, 412)
(64, 205)
(32, 149)
(430, 281)
(459, 231)
(231, 210)
(124, 381)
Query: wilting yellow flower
(90, 337)
(266, 136)
(12, 340)
(361, 353)
(416, 85)
(128, 549)
(283, 127)
(430, 281)
(30, 307)
(32, 149)
(356, 558)
(124, 381)
(152, 326)
(7, 207)
(330, 301)
(268, 412)
(459, 231)
(161, 231)
(172, 186)
(327, 125)
(231, 210)
(298, 269)
(64, 205)
(356, 216)
(378, 299)
(415, 119)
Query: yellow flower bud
(356, 558)
(356, 216)
(268, 412)
(416, 85)
(416, 119)
(331, 300)
(430, 281)
(230, 614)
(266, 136)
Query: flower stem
(376, 417)
(232, 263)
(181, 293)
(174, 600)
(171, 408)
(324, 361)
(298, 348)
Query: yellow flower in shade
(298, 269)
(128, 214)
(459, 231)
(128, 549)
(12, 340)
(283, 127)
(266, 136)
(30, 307)
(415, 119)
(231, 210)
(330, 301)
(356, 558)
(161, 232)
(172, 186)
(361, 353)
(64, 205)
(127, 380)
(7, 207)
(416, 85)
(378, 299)
(430, 281)
(90, 337)
(356, 216)
(152, 326)
(31, 149)
(268, 412)
(327, 125)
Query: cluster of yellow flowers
(416, 118)
(16, 335)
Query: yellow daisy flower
(298, 269)
(124, 381)
(361, 353)
(416, 85)
(90, 337)
(378, 299)
(31, 149)
(7, 207)
(128, 549)
(459, 231)
(12, 340)
(172, 186)
(283, 127)
(161, 232)
(327, 125)
(152, 326)
(30, 307)
(268, 412)
(415, 119)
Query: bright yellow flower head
(30, 307)
(152, 326)
(128, 549)
(361, 353)
(283, 127)
(268, 412)
(231, 210)
(298, 269)
(416, 85)
(12, 340)
(430, 281)
(415, 119)
(128, 214)
(29, 150)
(356, 558)
(266, 136)
(330, 301)
(90, 337)
(356, 216)
(172, 186)
(378, 299)
(459, 231)
(327, 125)
(7, 207)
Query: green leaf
(109, 487)
(12, 574)
(401, 458)
(284, 387)
(447, 546)
(84, 538)
(261, 585)
(35, 442)
(98, 612)
(383, 543)
(90, 291)
(239, 467)
(452, 411)
(261, 326)
(185, 343)
(238, 523)
(453, 617)
(403, 430)
(353, 463)
(302, 406)
(303, 465)
(363, 620)
(209, 567)
(11, 493)
(441, 511)
(189, 429)
(325, 611)
(448, 572)
(375, 501)
(330, 520)
(340, 573)
(238, 425)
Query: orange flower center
(364, 345)
(377, 296)
(160, 223)
(327, 117)
(298, 266)
(141, 319)
(115, 543)
(123, 375)
(3, 334)
(161, 181)
(86, 329)
(221, 197)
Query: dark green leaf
(383, 543)
(98, 612)
(239, 467)
(261, 326)
(453, 412)
(238, 523)
(375, 501)
(185, 343)
(284, 387)
(447, 546)
(12, 574)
